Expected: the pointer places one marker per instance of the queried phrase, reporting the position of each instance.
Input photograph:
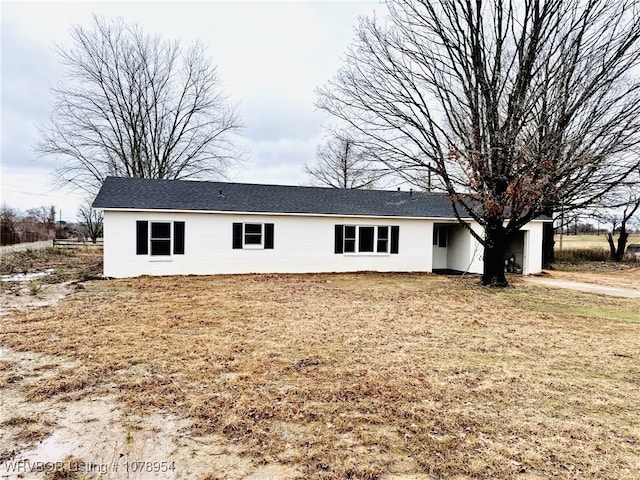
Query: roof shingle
(154, 194)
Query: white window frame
(162, 239)
(254, 246)
(375, 251)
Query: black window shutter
(268, 235)
(339, 239)
(178, 238)
(237, 235)
(142, 237)
(395, 238)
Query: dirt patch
(40, 278)
(23, 295)
(106, 439)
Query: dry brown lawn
(362, 375)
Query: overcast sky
(270, 57)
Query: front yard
(342, 376)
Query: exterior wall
(463, 252)
(476, 250)
(458, 248)
(467, 253)
(532, 256)
(302, 244)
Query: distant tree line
(35, 225)
(39, 224)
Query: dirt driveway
(625, 283)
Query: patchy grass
(360, 375)
(69, 469)
(27, 429)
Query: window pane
(442, 240)
(383, 240)
(252, 233)
(160, 230)
(252, 239)
(350, 232)
(349, 246)
(365, 242)
(435, 235)
(253, 228)
(160, 247)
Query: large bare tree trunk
(617, 251)
(494, 253)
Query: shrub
(583, 255)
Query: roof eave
(293, 214)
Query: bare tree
(44, 215)
(137, 106)
(91, 221)
(9, 225)
(619, 209)
(517, 107)
(343, 164)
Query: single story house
(174, 227)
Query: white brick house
(175, 227)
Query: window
(366, 239)
(383, 239)
(252, 235)
(160, 238)
(156, 237)
(440, 236)
(349, 239)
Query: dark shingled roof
(152, 194)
